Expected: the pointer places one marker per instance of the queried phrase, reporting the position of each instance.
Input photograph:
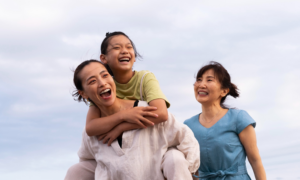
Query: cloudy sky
(41, 42)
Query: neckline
(131, 79)
(215, 123)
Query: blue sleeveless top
(222, 155)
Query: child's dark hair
(223, 77)
(78, 82)
(105, 43)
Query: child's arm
(161, 111)
(98, 126)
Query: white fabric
(142, 151)
(175, 166)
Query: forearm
(102, 125)
(258, 169)
(161, 111)
(125, 126)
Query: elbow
(164, 116)
(89, 131)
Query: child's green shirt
(150, 88)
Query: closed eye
(92, 81)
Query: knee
(81, 171)
(174, 157)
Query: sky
(41, 42)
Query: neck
(210, 111)
(117, 106)
(123, 77)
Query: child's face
(120, 54)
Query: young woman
(138, 154)
(118, 53)
(226, 136)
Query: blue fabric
(221, 153)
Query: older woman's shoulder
(191, 120)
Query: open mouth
(127, 59)
(105, 93)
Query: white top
(142, 151)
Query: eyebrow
(94, 76)
(120, 44)
(210, 77)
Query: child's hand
(136, 115)
(110, 136)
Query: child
(118, 53)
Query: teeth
(203, 93)
(104, 91)
(124, 59)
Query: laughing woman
(137, 154)
(226, 136)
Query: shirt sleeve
(85, 151)
(151, 89)
(244, 120)
(179, 135)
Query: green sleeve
(151, 89)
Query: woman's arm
(248, 139)
(98, 126)
(113, 134)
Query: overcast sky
(41, 42)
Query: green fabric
(151, 89)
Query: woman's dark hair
(223, 77)
(105, 43)
(78, 82)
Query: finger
(149, 108)
(101, 137)
(105, 140)
(146, 121)
(150, 114)
(140, 124)
(110, 141)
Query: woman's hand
(136, 115)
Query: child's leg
(175, 166)
(84, 170)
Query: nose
(200, 84)
(124, 50)
(101, 83)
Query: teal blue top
(221, 153)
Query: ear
(103, 58)
(83, 94)
(224, 92)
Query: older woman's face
(208, 89)
(98, 85)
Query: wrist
(120, 128)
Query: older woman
(137, 154)
(226, 136)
